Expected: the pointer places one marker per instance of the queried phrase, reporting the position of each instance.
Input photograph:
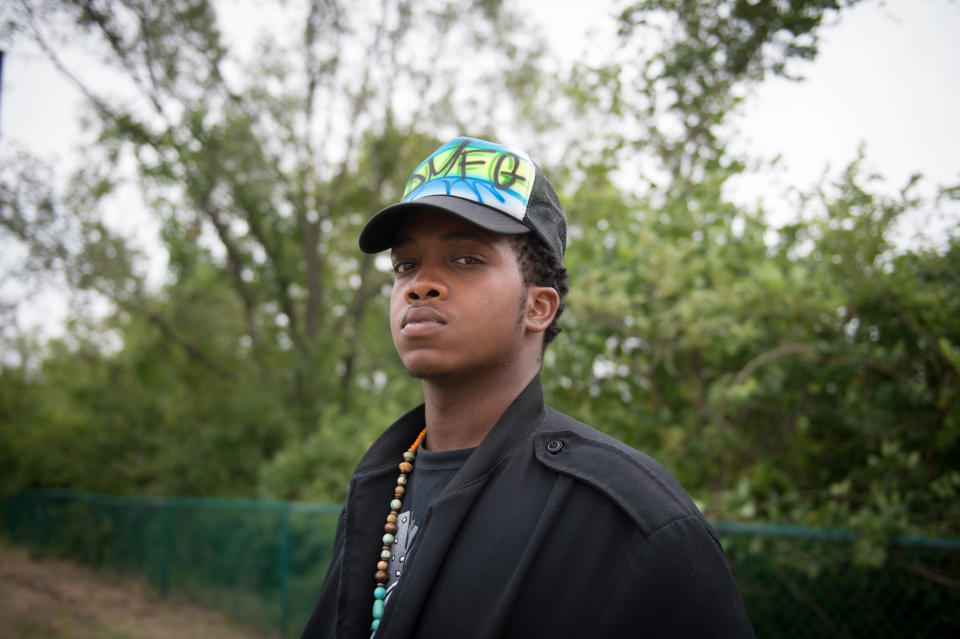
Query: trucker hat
(496, 187)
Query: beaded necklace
(390, 529)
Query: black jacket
(550, 529)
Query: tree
(259, 172)
(263, 168)
(736, 352)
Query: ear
(542, 305)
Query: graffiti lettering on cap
(483, 172)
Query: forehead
(427, 224)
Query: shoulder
(640, 486)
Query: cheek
(501, 311)
(396, 307)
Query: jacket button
(554, 446)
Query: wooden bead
(382, 577)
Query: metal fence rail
(263, 562)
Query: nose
(425, 286)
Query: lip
(420, 320)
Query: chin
(427, 374)
(423, 365)
(426, 371)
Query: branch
(192, 351)
(928, 574)
(810, 602)
(358, 105)
(150, 61)
(357, 309)
(275, 258)
(781, 351)
(236, 268)
(99, 105)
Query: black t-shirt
(431, 472)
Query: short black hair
(539, 266)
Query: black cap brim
(379, 232)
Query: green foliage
(267, 338)
(806, 374)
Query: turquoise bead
(396, 504)
(375, 625)
(409, 456)
(379, 592)
(388, 538)
(384, 554)
(378, 608)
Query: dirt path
(55, 599)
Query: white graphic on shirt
(403, 541)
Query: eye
(468, 259)
(403, 267)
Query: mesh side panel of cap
(545, 215)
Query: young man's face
(458, 299)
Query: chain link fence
(804, 583)
(263, 562)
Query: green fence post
(14, 507)
(45, 527)
(166, 545)
(284, 564)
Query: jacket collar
(388, 448)
(515, 425)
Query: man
(483, 513)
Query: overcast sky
(888, 76)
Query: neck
(459, 413)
